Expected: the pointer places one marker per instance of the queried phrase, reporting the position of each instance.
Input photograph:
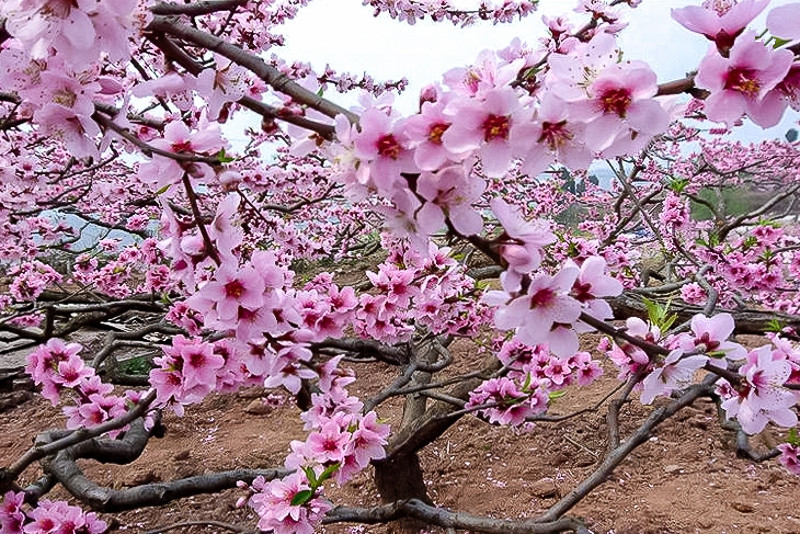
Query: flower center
(496, 127)
(554, 134)
(388, 146)
(744, 81)
(706, 341)
(234, 289)
(436, 132)
(182, 146)
(65, 97)
(542, 298)
(616, 101)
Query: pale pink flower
(329, 444)
(450, 193)
(710, 335)
(423, 133)
(179, 139)
(534, 313)
(593, 284)
(784, 21)
(722, 28)
(790, 457)
(743, 83)
(369, 440)
(763, 399)
(382, 152)
(485, 126)
(551, 137)
(226, 82)
(620, 101)
(522, 241)
(677, 371)
(230, 289)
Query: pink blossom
(329, 444)
(450, 193)
(369, 440)
(677, 371)
(485, 126)
(179, 139)
(522, 241)
(230, 289)
(551, 136)
(224, 83)
(743, 83)
(710, 335)
(534, 313)
(620, 101)
(593, 284)
(379, 146)
(762, 399)
(11, 515)
(721, 28)
(273, 503)
(784, 21)
(424, 133)
(790, 457)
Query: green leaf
(330, 470)
(774, 325)
(779, 42)
(529, 73)
(527, 383)
(311, 476)
(222, 158)
(678, 184)
(658, 314)
(654, 310)
(302, 497)
(556, 394)
(162, 190)
(482, 284)
(793, 437)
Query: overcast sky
(345, 34)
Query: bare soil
(687, 478)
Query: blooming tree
(480, 213)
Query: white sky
(344, 34)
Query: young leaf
(774, 325)
(311, 476)
(330, 470)
(302, 497)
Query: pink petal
(784, 21)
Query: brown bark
(398, 479)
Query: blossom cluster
(57, 367)
(342, 441)
(757, 398)
(48, 517)
(534, 374)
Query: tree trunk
(400, 478)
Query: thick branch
(272, 76)
(196, 9)
(619, 453)
(433, 515)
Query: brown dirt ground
(687, 478)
